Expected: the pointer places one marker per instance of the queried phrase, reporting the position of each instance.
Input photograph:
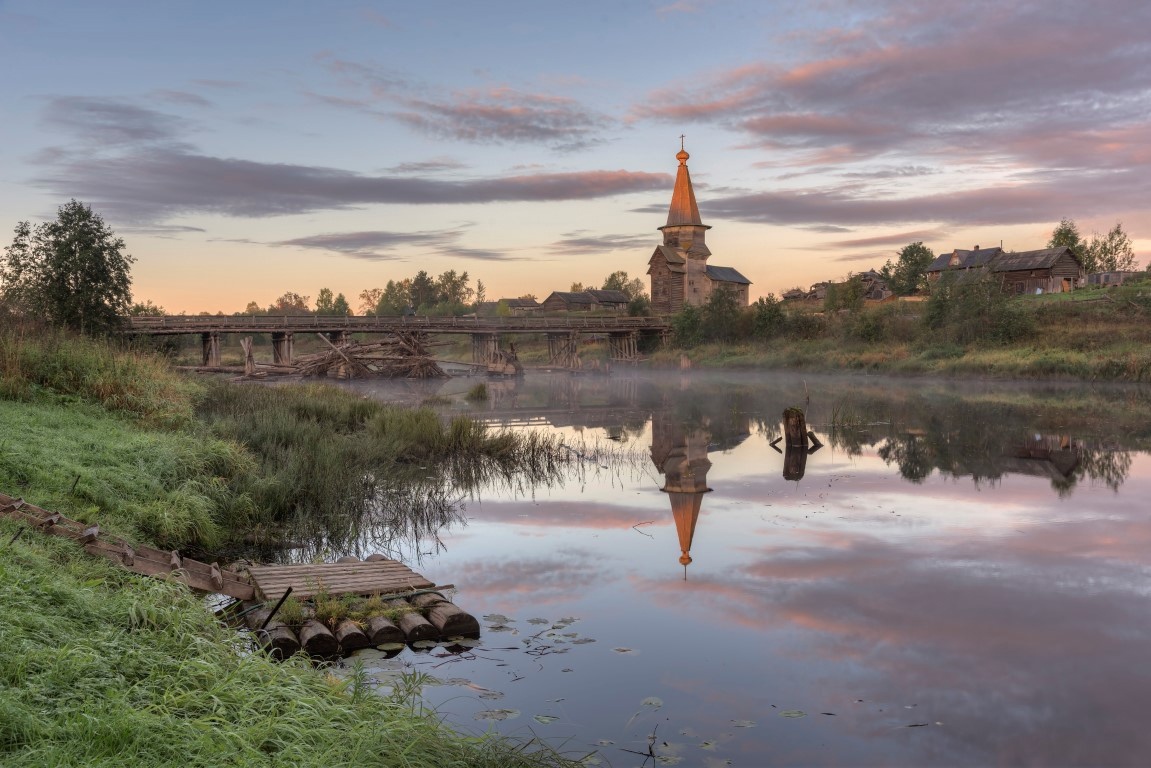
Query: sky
(244, 150)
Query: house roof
(521, 303)
(1040, 259)
(726, 275)
(570, 297)
(964, 259)
(670, 255)
(608, 296)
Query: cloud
(895, 238)
(380, 245)
(433, 165)
(110, 121)
(153, 184)
(180, 97)
(496, 115)
(506, 116)
(944, 88)
(1091, 193)
(583, 242)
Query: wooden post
(795, 428)
(282, 352)
(794, 463)
(211, 349)
(249, 358)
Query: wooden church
(680, 274)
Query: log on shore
(414, 626)
(446, 616)
(317, 640)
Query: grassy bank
(100, 667)
(1093, 335)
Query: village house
(586, 301)
(680, 274)
(1046, 270)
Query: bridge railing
(270, 323)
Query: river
(960, 575)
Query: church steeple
(684, 228)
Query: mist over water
(960, 575)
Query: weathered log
(350, 636)
(348, 559)
(794, 463)
(381, 630)
(414, 626)
(317, 640)
(795, 427)
(375, 558)
(446, 616)
(276, 638)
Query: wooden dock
(382, 577)
(426, 614)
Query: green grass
(102, 668)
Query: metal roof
(726, 275)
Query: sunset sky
(246, 149)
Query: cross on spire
(681, 138)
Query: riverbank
(100, 667)
(1090, 335)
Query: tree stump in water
(446, 616)
(317, 640)
(350, 636)
(381, 630)
(415, 627)
(794, 428)
(794, 463)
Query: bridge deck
(179, 324)
(367, 578)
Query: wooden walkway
(261, 582)
(206, 577)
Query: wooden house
(521, 306)
(1048, 270)
(616, 301)
(569, 301)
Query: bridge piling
(282, 347)
(211, 349)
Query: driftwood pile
(402, 355)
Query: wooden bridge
(564, 334)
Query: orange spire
(684, 210)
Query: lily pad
(583, 640)
(545, 719)
(743, 723)
(653, 702)
(497, 714)
(391, 646)
(491, 695)
(539, 621)
(604, 743)
(793, 713)
(422, 644)
(625, 651)
(497, 618)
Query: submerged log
(794, 428)
(350, 636)
(794, 463)
(317, 640)
(414, 626)
(277, 638)
(381, 630)
(446, 616)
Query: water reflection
(968, 559)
